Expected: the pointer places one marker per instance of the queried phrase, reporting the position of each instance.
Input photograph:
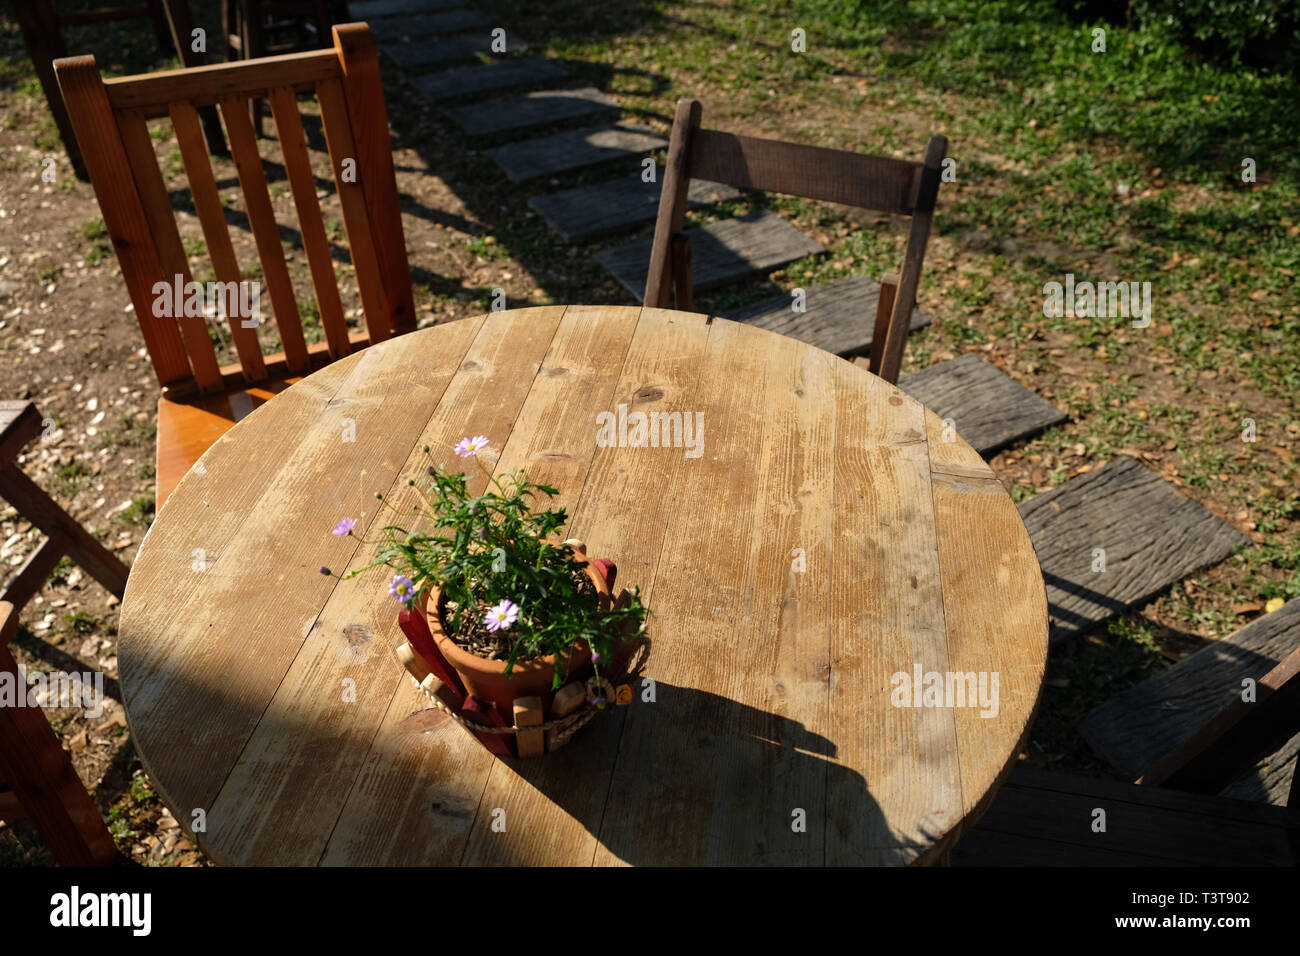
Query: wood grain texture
(573, 149)
(837, 317)
(793, 562)
(988, 408)
(1150, 535)
(586, 212)
(721, 252)
(1154, 718)
(468, 80)
(831, 175)
(531, 109)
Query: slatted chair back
(882, 183)
(110, 119)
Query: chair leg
(36, 767)
(884, 309)
(40, 29)
(683, 290)
(42, 510)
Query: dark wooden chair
(1172, 816)
(260, 28)
(42, 785)
(201, 399)
(42, 30)
(873, 182)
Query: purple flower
(402, 588)
(595, 657)
(429, 470)
(502, 616)
(471, 446)
(324, 570)
(345, 526)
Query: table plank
(554, 440)
(886, 546)
(729, 713)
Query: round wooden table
(848, 624)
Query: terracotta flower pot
(487, 678)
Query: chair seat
(188, 427)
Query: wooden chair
(42, 30)
(873, 182)
(259, 28)
(202, 399)
(1172, 816)
(43, 786)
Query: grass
(69, 479)
(140, 511)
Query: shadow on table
(695, 778)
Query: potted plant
(513, 611)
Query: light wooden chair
(202, 399)
(42, 784)
(873, 182)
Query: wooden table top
(823, 540)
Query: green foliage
(1233, 24)
(483, 550)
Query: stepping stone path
(453, 21)
(467, 80)
(622, 203)
(531, 109)
(721, 252)
(364, 9)
(839, 316)
(989, 409)
(574, 149)
(430, 51)
(1151, 720)
(1151, 538)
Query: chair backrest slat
(171, 252)
(216, 232)
(111, 116)
(153, 93)
(356, 218)
(261, 219)
(831, 175)
(365, 97)
(293, 144)
(124, 219)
